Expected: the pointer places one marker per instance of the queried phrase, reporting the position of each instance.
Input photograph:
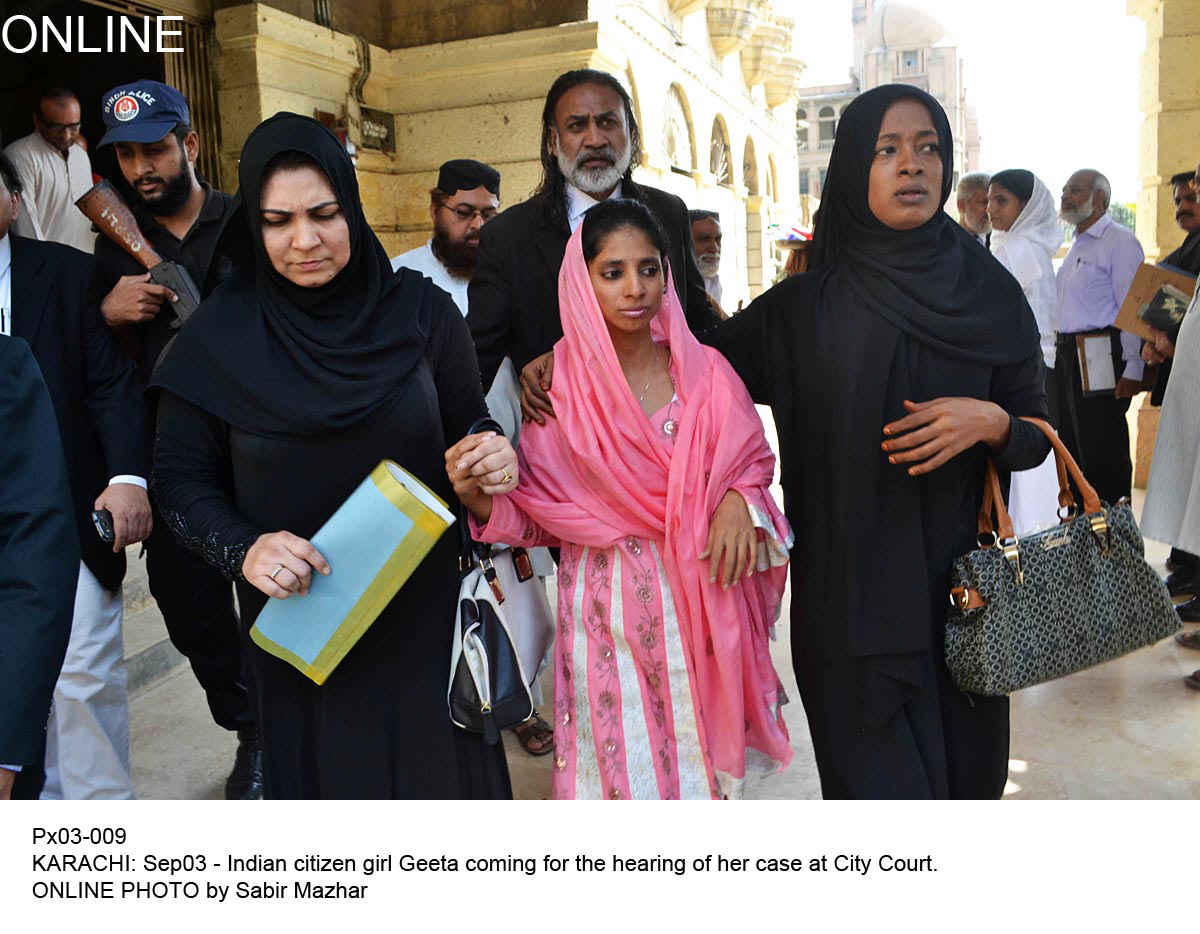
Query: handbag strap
(993, 499)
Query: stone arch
(630, 85)
(720, 156)
(826, 126)
(679, 137)
(750, 168)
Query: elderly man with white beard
(706, 248)
(1092, 283)
(590, 146)
(971, 198)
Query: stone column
(1169, 140)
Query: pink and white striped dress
(625, 722)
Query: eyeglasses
(56, 127)
(464, 212)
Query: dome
(901, 26)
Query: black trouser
(197, 604)
(1093, 427)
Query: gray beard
(1075, 216)
(982, 229)
(708, 267)
(595, 181)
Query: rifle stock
(103, 206)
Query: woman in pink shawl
(653, 481)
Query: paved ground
(1128, 729)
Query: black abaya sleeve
(450, 353)
(192, 485)
(743, 341)
(1019, 389)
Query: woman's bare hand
(281, 564)
(479, 467)
(731, 539)
(935, 431)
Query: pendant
(669, 427)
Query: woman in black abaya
(895, 368)
(282, 393)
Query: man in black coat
(590, 146)
(39, 562)
(102, 425)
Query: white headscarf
(1026, 249)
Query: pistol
(103, 206)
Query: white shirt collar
(1097, 229)
(5, 254)
(579, 202)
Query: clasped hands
(481, 466)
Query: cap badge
(126, 108)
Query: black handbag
(1064, 599)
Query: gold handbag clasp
(1012, 554)
(1099, 523)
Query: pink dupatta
(600, 472)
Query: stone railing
(783, 81)
(763, 52)
(731, 23)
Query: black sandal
(535, 735)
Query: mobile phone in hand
(102, 520)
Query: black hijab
(282, 360)
(888, 316)
(935, 282)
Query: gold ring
(507, 478)
(278, 568)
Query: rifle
(102, 205)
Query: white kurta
(1172, 510)
(52, 186)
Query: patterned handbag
(1055, 602)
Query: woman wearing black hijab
(287, 387)
(894, 368)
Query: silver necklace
(670, 425)
(650, 379)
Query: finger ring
(278, 568)
(507, 478)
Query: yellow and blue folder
(373, 543)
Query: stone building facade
(893, 42)
(411, 83)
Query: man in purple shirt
(1092, 283)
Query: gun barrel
(102, 205)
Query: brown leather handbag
(1061, 600)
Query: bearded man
(1092, 283)
(706, 248)
(590, 146)
(971, 198)
(149, 126)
